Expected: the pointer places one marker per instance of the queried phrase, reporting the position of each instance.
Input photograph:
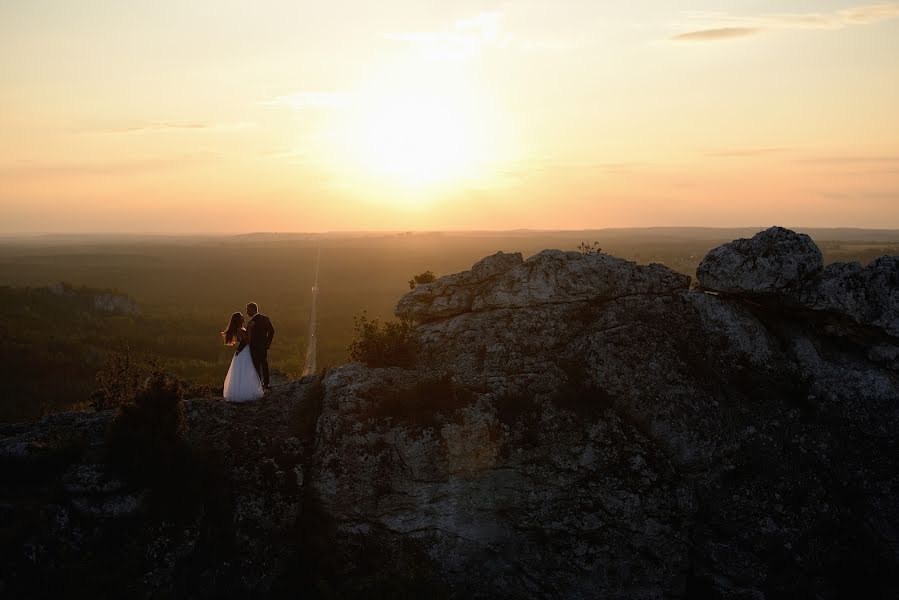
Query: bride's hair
(234, 324)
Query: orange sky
(295, 116)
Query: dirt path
(309, 366)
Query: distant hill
(837, 234)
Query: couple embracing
(247, 377)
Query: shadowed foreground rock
(578, 426)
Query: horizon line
(37, 234)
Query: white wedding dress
(242, 382)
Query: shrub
(146, 438)
(426, 277)
(589, 248)
(121, 377)
(389, 344)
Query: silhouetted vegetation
(426, 277)
(146, 438)
(589, 248)
(120, 378)
(387, 344)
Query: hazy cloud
(468, 37)
(859, 15)
(868, 159)
(720, 33)
(159, 126)
(861, 195)
(27, 169)
(549, 164)
(722, 26)
(745, 152)
(311, 100)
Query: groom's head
(252, 309)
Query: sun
(417, 140)
(417, 133)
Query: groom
(261, 335)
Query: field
(185, 288)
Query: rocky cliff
(577, 426)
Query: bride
(242, 382)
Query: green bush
(426, 277)
(146, 438)
(389, 344)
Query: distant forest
(170, 297)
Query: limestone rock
(868, 296)
(550, 277)
(770, 262)
(453, 294)
(779, 266)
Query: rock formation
(577, 426)
(782, 267)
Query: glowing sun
(417, 140)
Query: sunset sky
(232, 116)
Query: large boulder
(781, 267)
(496, 499)
(770, 262)
(453, 294)
(866, 296)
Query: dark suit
(260, 341)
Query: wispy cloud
(467, 37)
(719, 33)
(745, 152)
(722, 26)
(861, 195)
(471, 37)
(867, 159)
(311, 100)
(158, 126)
(549, 164)
(859, 15)
(27, 169)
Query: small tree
(389, 344)
(589, 248)
(426, 277)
